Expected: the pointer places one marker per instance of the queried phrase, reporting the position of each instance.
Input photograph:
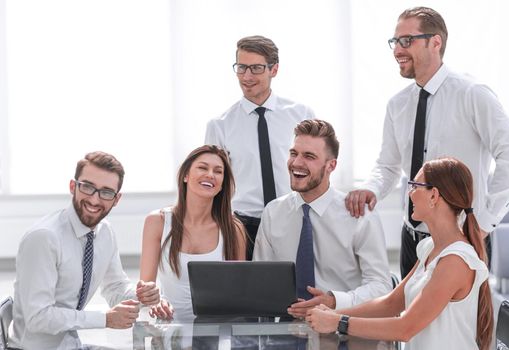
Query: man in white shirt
(238, 132)
(462, 119)
(53, 280)
(348, 255)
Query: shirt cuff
(486, 221)
(95, 319)
(343, 299)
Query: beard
(85, 218)
(312, 183)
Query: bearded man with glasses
(442, 113)
(65, 257)
(257, 132)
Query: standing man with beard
(64, 258)
(341, 261)
(257, 132)
(441, 114)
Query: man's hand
(163, 310)
(355, 201)
(123, 315)
(322, 319)
(299, 309)
(147, 293)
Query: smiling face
(205, 176)
(255, 87)
(310, 166)
(90, 208)
(421, 199)
(422, 59)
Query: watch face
(343, 325)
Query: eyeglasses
(406, 40)
(254, 68)
(412, 185)
(89, 190)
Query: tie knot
(423, 94)
(90, 235)
(305, 209)
(260, 111)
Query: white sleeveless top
(456, 326)
(175, 289)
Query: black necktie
(87, 264)
(269, 188)
(305, 262)
(418, 147)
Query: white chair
(502, 332)
(5, 321)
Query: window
(140, 79)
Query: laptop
(242, 288)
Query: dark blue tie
(305, 262)
(87, 264)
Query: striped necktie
(87, 264)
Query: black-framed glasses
(89, 190)
(240, 68)
(412, 185)
(406, 40)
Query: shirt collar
(437, 80)
(79, 229)
(320, 204)
(249, 107)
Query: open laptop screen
(242, 288)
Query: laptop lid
(242, 288)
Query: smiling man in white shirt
(51, 288)
(348, 256)
(237, 131)
(463, 119)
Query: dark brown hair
(104, 161)
(262, 46)
(319, 128)
(431, 23)
(454, 181)
(221, 210)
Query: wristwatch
(343, 324)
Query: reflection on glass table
(246, 335)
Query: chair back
(500, 258)
(5, 321)
(502, 332)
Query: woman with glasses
(445, 301)
(199, 227)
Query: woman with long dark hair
(200, 227)
(445, 301)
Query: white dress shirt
(237, 132)
(464, 120)
(350, 256)
(49, 278)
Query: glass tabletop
(245, 334)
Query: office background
(140, 79)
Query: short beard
(313, 182)
(85, 220)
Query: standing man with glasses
(442, 114)
(64, 258)
(257, 133)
